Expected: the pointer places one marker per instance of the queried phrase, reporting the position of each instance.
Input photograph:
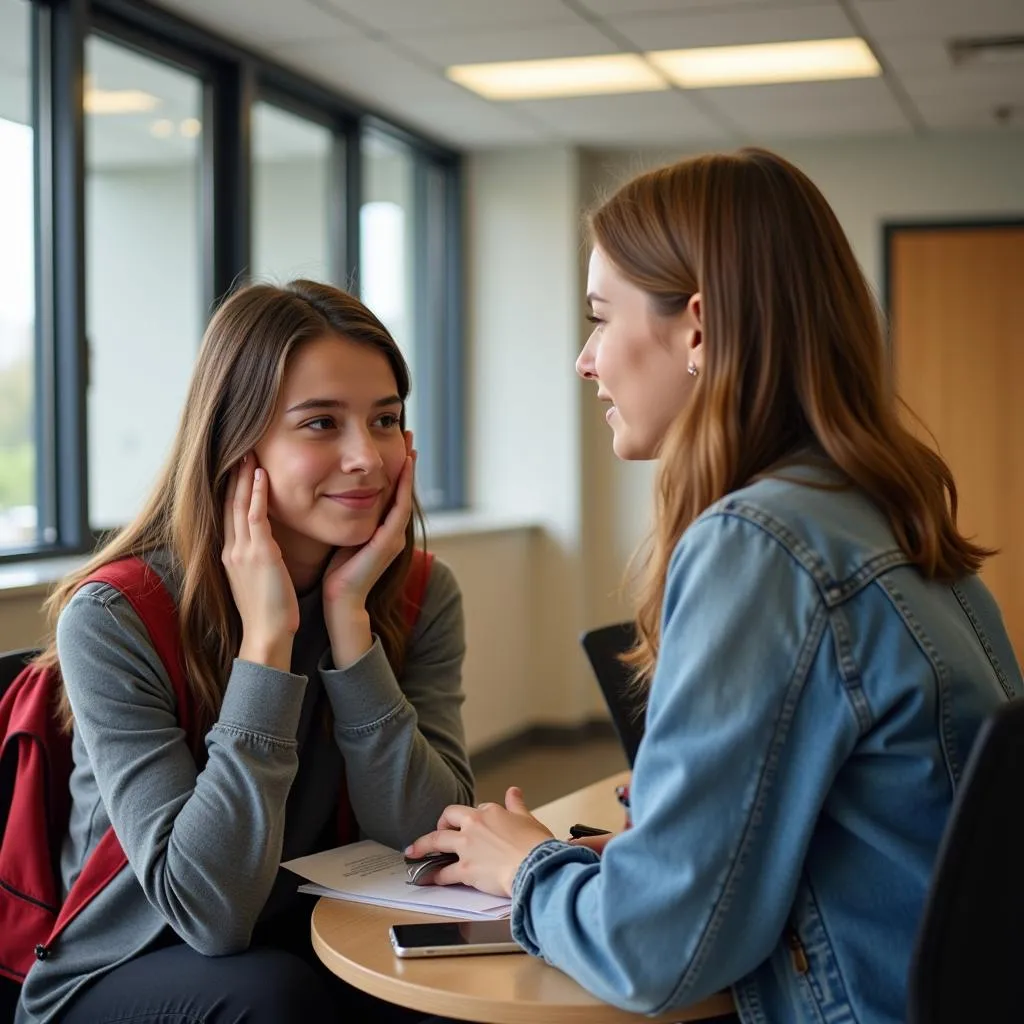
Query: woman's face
(638, 359)
(334, 449)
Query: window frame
(233, 79)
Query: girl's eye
(388, 421)
(595, 320)
(320, 423)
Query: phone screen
(452, 933)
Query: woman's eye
(388, 421)
(595, 320)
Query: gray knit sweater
(204, 848)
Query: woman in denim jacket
(819, 649)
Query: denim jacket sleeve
(747, 725)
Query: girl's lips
(357, 500)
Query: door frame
(890, 228)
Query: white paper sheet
(369, 872)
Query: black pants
(277, 980)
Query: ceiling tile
(448, 48)
(395, 16)
(810, 109)
(947, 113)
(679, 31)
(264, 21)
(996, 85)
(372, 73)
(647, 118)
(903, 19)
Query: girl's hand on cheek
(351, 574)
(491, 842)
(260, 584)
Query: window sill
(20, 579)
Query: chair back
(970, 944)
(603, 647)
(11, 663)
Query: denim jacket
(814, 703)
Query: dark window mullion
(228, 169)
(66, 126)
(337, 208)
(450, 422)
(44, 406)
(353, 204)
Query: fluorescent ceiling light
(569, 76)
(766, 63)
(118, 101)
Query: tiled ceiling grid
(392, 54)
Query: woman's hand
(491, 842)
(260, 583)
(352, 572)
(595, 843)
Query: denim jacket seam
(723, 901)
(983, 639)
(939, 672)
(849, 671)
(833, 591)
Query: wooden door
(957, 308)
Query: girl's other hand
(260, 584)
(352, 573)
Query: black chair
(11, 663)
(603, 647)
(970, 944)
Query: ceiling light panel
(571, 76)
(767, 63)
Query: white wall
(525, 435)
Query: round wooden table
(513, 988)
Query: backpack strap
(142, 587)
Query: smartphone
(453, 938)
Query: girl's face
(638, 359)
(334, 449)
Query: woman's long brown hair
(794, 357)
(230, 404)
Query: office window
(387, 240)
(18, 492)
(408, 255)
(294, 197)
(143, 267)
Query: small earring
(692, 370)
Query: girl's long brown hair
(794, 357)
(230, 404)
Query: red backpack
(35, 767)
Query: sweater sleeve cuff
(263, 700)
(366, 693)
(541, 861)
